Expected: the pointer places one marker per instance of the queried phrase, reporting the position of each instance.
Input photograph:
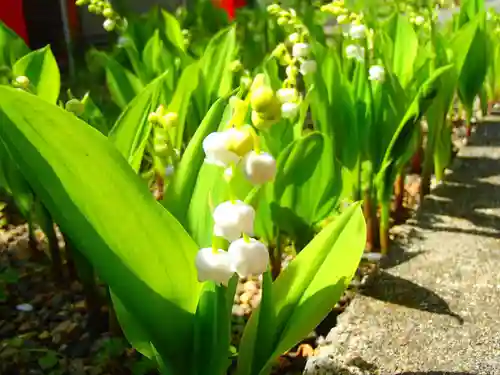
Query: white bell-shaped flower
(214, 265)
(259, 167)
(357, 31)
(301, 50)
(216, 152)
(232, 219)
(248, 258)
(287, 95)
(308, 67)
(376, 73)
(353, 51)
(289, 110)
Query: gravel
(434, 307)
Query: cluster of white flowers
(301, 52)
(234, 219)
(235, 147)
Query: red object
(12, 14)
(230, 6)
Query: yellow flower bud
(22, 81)
(75, 106)
(262, 98)
(154, 118)
(171, 119)
(240, 140)
(108, 12)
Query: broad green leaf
(123, 85)
(41, 68)
(307, 185)
(12, 46)
(133, 330)
(213, 328)
(405, 49)
(14, 182)
(172, 30)
(110, 216)
(474, 70)
(305, 291)
(256, 344)
(131, 131)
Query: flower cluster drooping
(237, 148)
(164, 153)
(298, 35)
(103, 7)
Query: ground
(434, 306)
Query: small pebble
(373, 257)
(26, 307)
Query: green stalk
(384, 226)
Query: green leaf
(133, 330)
(172, 30)
(306, 187)
(305, 291)
(256, 344)
(474, 70)
(157, 59)
(180, 190)
(131, 131)
(405, 49)
(12, 46)
(93, 115)
(111, 217)
(123, 85)
(215, 63)
(41, 68)
(213, 328)
(181, 100)
(49, 360)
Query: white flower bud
(353, 51)
(419, 20)
(248, 258)
(287, 95)
(109, 25)
(308, 67)
(342, 19)
(169, 170)
(294, 38)
(329, 30)
(289, 110)
(216, 152)
(259, 168)
(376, 73)
(213, 265)
(301, 50)
(358, 31)
(232, 219)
